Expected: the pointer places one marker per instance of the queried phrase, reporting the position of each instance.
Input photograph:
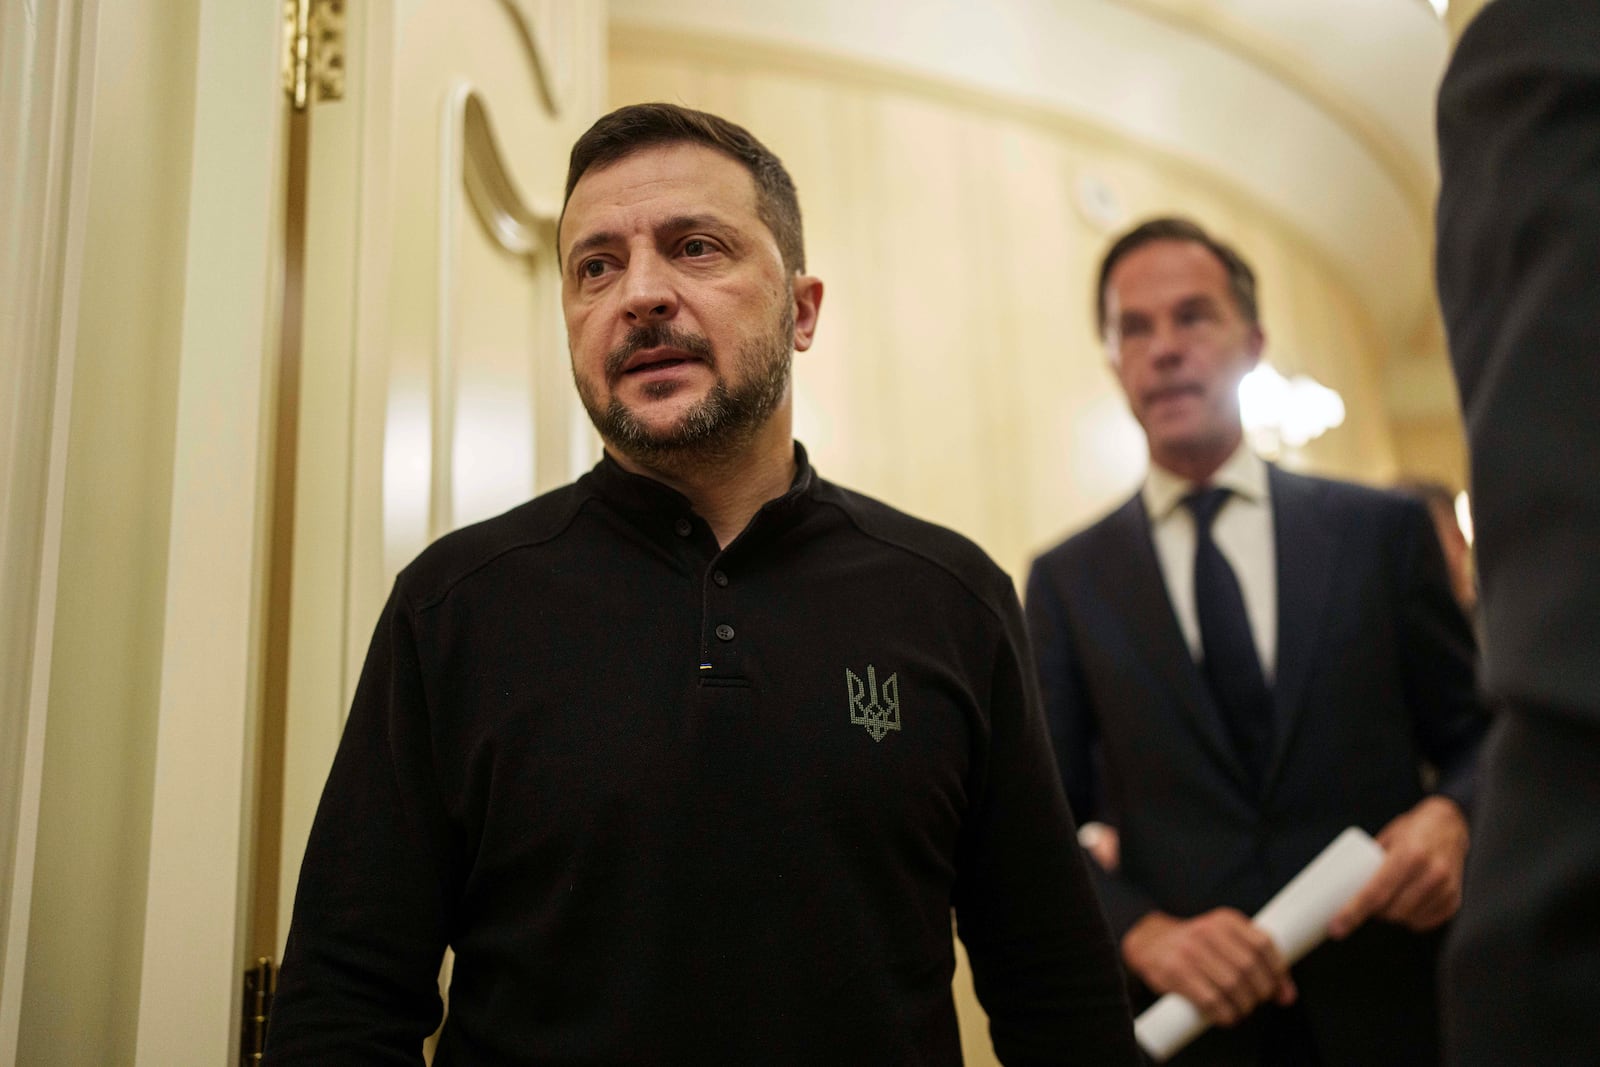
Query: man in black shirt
(690, 760)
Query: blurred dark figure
(1519, 282)
(1457, 553)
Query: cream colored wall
(1432, 448)
(1460, 14)
(956, 372)
(80, 997)
(1425, 410)
(44, 123)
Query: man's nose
(1166, 344)
(648, 290)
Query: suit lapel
(1137, 578)
(1306, 547)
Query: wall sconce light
(1286, 413)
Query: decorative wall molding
(1213, 22)
(46, 95)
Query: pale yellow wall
(1425, 411)
(1432, 448)
(956, 373)
(1460, 14)
(80, 999)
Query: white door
(431, 387)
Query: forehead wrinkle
(1165, 289)
(678, 166)
(700, 221)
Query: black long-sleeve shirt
(670, 803)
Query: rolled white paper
(1297, 921)
(1167, 1025)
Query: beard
(721, 423)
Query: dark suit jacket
(1519, 282)
(1374, 680)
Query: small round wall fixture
(1098, 203)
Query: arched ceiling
(1373, 64)
(1320, 111)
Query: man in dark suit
(1519, 282)
(1237, 664)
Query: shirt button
(724, 632)
(682, 528)
(720, 578)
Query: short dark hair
(629, 129)
(1241, 279)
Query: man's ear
(807, 305)
(1113, 353)
(1256, 344)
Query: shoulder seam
(925, 557)
(527, 542)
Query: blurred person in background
(1238, 663)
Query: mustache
(657, 335)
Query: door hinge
(313, 51)
(260, 982)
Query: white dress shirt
(1243, 533)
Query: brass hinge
(260, 982)
(313, 50)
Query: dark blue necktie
(1229, 660)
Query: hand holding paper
(1296, 920)
(1419, 884)
(1220, 961)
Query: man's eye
(695, 247)
(592, 268)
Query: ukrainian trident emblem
(876, 709)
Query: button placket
(720, 619)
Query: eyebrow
(588, 244)
(675, 224)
